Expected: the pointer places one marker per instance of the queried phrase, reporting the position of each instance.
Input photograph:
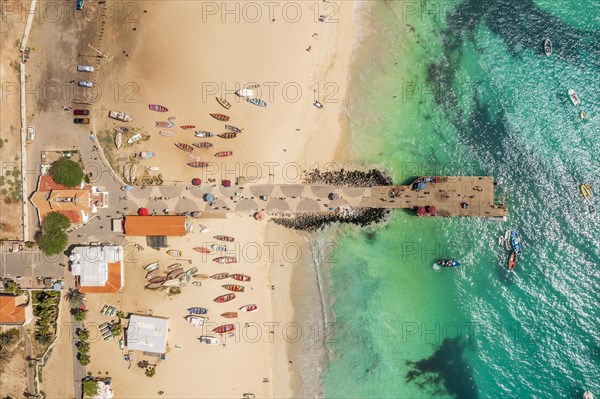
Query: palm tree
(4, 355)
(76, 297)
(43, 338)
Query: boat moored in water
(512, 261)
(586, 190)
(447, 263)
(547, 47)
(574, 98)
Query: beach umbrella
(259, 216)
(143, 211)
(421, 186)
(333, 196)
(209, 198)
(226, 183)
(421, 211)
(196, 181)
(432, 210)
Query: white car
(85, 68)
(31, 133)
(85, 83)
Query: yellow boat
(586, 190)
(174, 252)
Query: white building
(147, 333)
(98, 269)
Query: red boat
(224, 298)
(224, 329)
(220, 117)
(224, 154)
(220, 276)
(204, 144)
(202, 250)
(188, 127)
(240, 277)
(225, 259)
(224, 238)
(157, 108)
(229, 315)
(198, 164)
(228, 135)
(234, 287)
(249, 308)
(184, 147)
(512, 261)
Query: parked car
(80, 4)
(85, 68)
(31, 133)
(81, 112)
(85, 83)
(83, 121)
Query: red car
(81, 112)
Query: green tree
(9, 337)
(83, 358)
(13, 288)
(90, 387)
(43, 338)
(79, 314)
(150, 371)
(66, 172)
(84, 347)
(75, 297)
(53, 240)
(116, 330)
(83, 334)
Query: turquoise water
(465, 89)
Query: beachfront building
(14, 310)
(147, 334)
(78, 204)
(156, 225)
(98, 269)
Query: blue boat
(198, 310)
(447, 263)
(515, 240)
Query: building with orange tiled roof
(12, 312)
(156, 225)
(98, 269)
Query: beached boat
(202, 250)
(228, 135)
(204, 229)
(249, 308)
(173, 266)
(197, 164)
(194, 157)
(573, 97)
(196, 283)
(515, 241)
(223, 103)
(191, 271)
(179, 275)
(175, 273)
(157, 108)
(159, 279)
(233, 128)
(152, 266)
(205, 339)
(174, 252)
(118, 139)
(224, 238)
(548, 47)
(234, 287)
(164, 124)
(257, 101)
(144, 154)
(121, 129)
(184, 147)
(152, 274)
(220, 117)
(166, 133)
(220, 276)
(121, 116)
(507, 240)
(224, 329)
(174, 282)
(229, 315)
(224, 298)
(225, 259)
(203, 134)
(447, 263)
(200, 276)
(245, 92)
(153, 168)
(197, 310)
(223, 154)
(240, 277)
(136, 137)
(153, 286)
(188, 127)
(219, 247)
(196, 321)
(586, 190)
(203, 144)
(512, 261)
(129, 172)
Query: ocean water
(463, 87)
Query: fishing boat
(121, 116)
(118, 139)
(218, 247)
(194, 157)
(586, 190)
(515, 241)
(500, 240)
(202, 250)
(174, 252)
(203, 144)
(144, 154)
(152, 266)
(196, 283)
(220, 117)
(447, 263)
(548, 47)
(173, 266)
(249, 308)
(225, 259)
(153, 168)
(233, 128)
(153, 286)
(224, 238)
(573, 97)
(245, 92)
(224, 154)
(184, 147)
(152, 274)
(224, 298)
(164, 124)
(136, 137)
(203, 134)
(507, 240)
(157, 108)
(121, 129)
(220, 276)
(175, 273)
(582, 115)
(228, 135)
(205, 339)
(200, 276)
(229, 315)
(174, 282)
(223, 103)
(257, 101)
(512, 261)
(198, 310)
(204, 229)
(191, 271)
(188, 127)
(234, 287)
(197, 164)
(196, 321)
(224, 329)
(166, 133)
(240, 277)
(159, 279)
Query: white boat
(153, 168)
(257, 101)
(195, 158)
(118, 139)
(152, 266)
(245, 93)
(588, 395)
(204, 229)
(194, 320)
(134, 138)
(129, 172)
(217, 247)
(174, 282)
(500, 240)
(206, 339)
(166, 133)
(573, 97)
(120, 116)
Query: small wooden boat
(447, 263)
(120, 116)
(224, 238)
(121, 129)
(194, 157)
(196, 283)
(225, 259)
(152, 274)
(548, 47)
(515, 242)
(159, 279)
(174, 252)
(257, 101)
(205, 339)
(166, 133)
(249, 308)
(234, 287)
(118, 139)
(586, 190)
(217, 247)
(247, 92)
(203, 134)
(512, 261)
(153, 168)
(191, 271)
(224, 298)
(220, 117)
(233, 128)
(500, 240)
(184, 147)
(229, 315)
(174, 282)
(164, 124)
(144, 154)
(223, 103)
(507, 240)
(582, 115)
(198, 164)
(136, 137)
(203, 144)
(188, 127)
(224, 329)
(220, 276)
(228, 135)
(204, 229)
(240, 277)
(173, 266)
(224, 154)
(152, 266)
(157, 108)
(196, 321)
(197, 310)
(573, 97)
(202, 250)
(175, 273)
(153, 286)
